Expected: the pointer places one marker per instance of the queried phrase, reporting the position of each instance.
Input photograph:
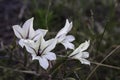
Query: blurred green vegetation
(97, 20)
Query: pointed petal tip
(14, 26)
(21, 43)
(32, 18)
(70, 22)
(88, 41)
(44, 63)
(46, 31)
(86, 62)
(67, 20)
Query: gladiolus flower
(65, 39)
(41, 51)
(80, 53)
(27, 32)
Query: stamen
(39, 53)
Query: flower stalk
(25, 58)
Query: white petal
(34, 56)
(77, 55)
(31, 46)
(42, 31)
(84, 61)
(70, 27)
(68, 45)
(70, 38)
(50, 56)
(65, 29)
(18, 31)
(76, 51)
(85, 54)
(38, 43)
(61, 38)
(42, 43)
(31, 30)
(30, 49)
(84, 46)
(43, 62)
(81, 48)
(50, 45)
(38, 33)
(21, 43)
(28, 27)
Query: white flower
(65, 39)
(41, 51)
(80, 53)
(27, 31)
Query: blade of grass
(58, 65)
(109, 22)
(46, 17)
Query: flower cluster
(41, 49)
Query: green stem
(64, 60)
(101, 39)
(25, 58)
(37, 67)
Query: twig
(106, 65)
(77, 75)
(21, 71)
